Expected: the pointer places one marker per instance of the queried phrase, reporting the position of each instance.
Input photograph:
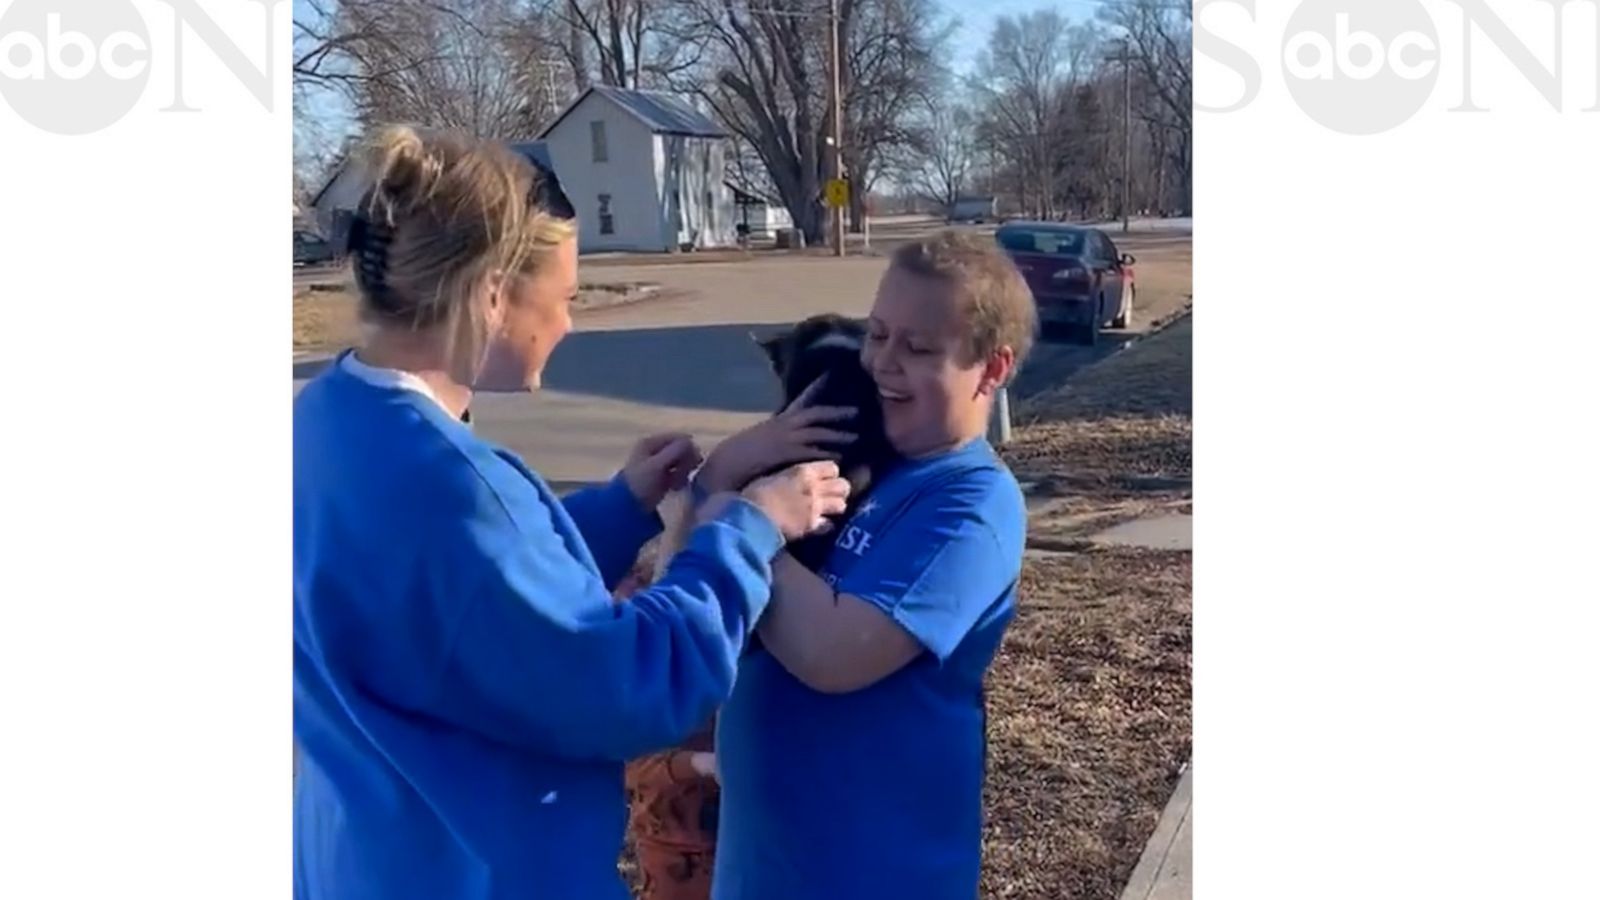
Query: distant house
(972, 209)
(334, 205)
(644, 170)
(762, 216)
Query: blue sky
(978, 16)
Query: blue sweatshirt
(466, 690)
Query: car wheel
(1124, 319)
(1089, 332)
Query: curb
(1165, 870)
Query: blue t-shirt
(465, 689)
(879, 793)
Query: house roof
(534, 151)
(333, 175)
(661, 112)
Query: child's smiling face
(935, 395)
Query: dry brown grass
(1089, 722)
(323, 320)
(1117, 429)
(1152, 377)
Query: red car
(1078, 278)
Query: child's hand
(798, 434)
(704, 764)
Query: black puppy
(828, 346)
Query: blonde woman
(465, 689)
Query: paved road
(684, 361)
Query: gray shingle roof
(535, 151)
(661, 112)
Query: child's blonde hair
(997, 303)
(444, 215)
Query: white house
(644, 169)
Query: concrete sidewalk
(1166, 869)
(1168, 531)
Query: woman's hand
(792, 436)
(659, 464)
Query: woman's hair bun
(404, 171)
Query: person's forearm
(679, 523)
(613, 524)
(832, 642)
(798, 625)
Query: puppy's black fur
(829, 346)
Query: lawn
(1089, 721)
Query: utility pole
(837, 104)
(1124, 55)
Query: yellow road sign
(837, 192)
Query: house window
(607, 224)
(597, 137)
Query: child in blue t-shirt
(851, 754)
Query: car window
(1042, 240)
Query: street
(686, 361)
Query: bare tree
(746, 168)
(629, 41)
(1084, 164)
(763, 70)
(483, 67)
(943, 151)
(489, 67)
(1023, 80)
(1159, 36)
(891, 63)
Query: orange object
(672, 809)
(673, 821)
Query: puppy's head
(829, 347)
(827, 344)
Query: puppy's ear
(776, 347)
